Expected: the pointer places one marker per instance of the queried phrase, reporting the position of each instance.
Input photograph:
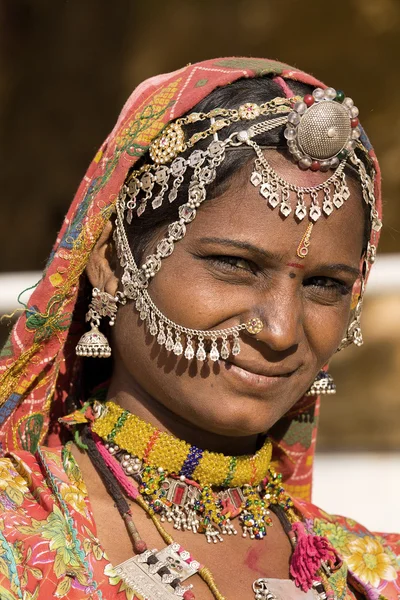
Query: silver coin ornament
(322, 129)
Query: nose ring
(254, 325)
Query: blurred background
(66, 69)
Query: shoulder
(14, 480)
(25, 501)
(48, 543)
(327, 524)
(372, 558)
(32, 526)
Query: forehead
(242, 214)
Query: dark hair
(143, 229)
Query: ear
(99, 267)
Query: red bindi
(295, 265)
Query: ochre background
(67, 67)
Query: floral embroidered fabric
(49, 548)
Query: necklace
(162, 450)
(196, 490)
(159, 575)
(312, 560)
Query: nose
(282, 319)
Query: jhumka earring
(322, 384)
(94, 343)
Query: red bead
(308, 99)
(140, 547)
(188, 595)
(354, 122)
(315, 165)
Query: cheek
(325, 327)
(129, 334)
(187, 293)
(138, 356)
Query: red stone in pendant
(179, 494)
(354, 122)
(236, 497)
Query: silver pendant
(144, 577)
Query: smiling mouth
(265, 373)
(261, 381)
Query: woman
(227, 227)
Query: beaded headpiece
(322, 133)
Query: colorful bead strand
(162, 450)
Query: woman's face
(238, 260)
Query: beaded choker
(197, 490)
(164, 451)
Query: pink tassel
(309, 553)
(116, 468)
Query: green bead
(343, 154)
(339, 96)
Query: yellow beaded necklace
(165, 451)
(196, 489)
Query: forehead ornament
(302, 249)
(249, 111)
(168, 145)
(322, 129)
(322, 133)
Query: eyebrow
(242, 246)
(333, 267)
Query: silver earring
(94, 343)
(322, 384)
(354, 334)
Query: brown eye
(240, 263)
(232, 263)
(328, 285)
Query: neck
(138, 402)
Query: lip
(269, 371)
(260, 378)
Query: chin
(239, 412)
(230, 421)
